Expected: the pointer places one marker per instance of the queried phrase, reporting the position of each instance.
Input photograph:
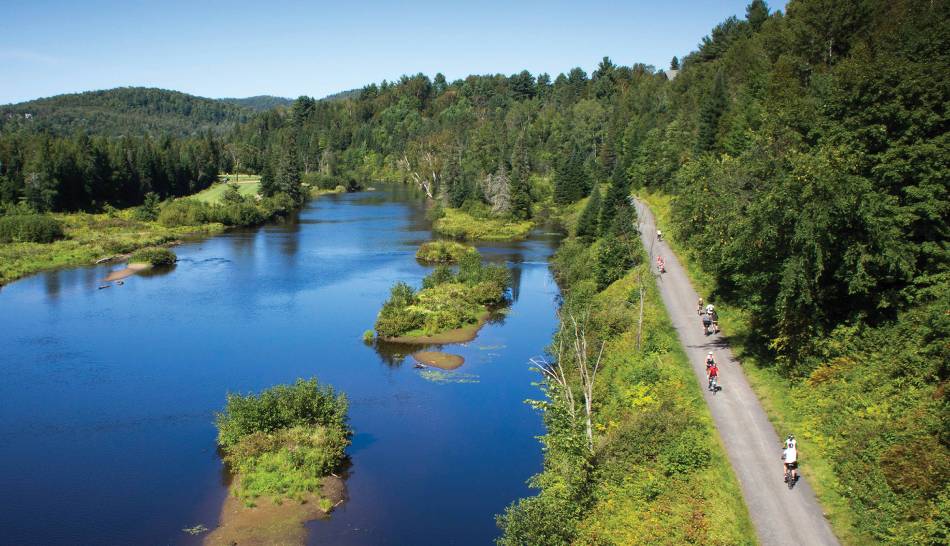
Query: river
(107, 397)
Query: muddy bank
(445, 361)
(269, 523)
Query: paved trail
(781, 516)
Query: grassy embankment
(451, 306)
(868, 416)
(281, 445)
(249, 185)
(656, 472)
(88, 237)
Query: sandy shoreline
(437, 359)
(459, 335)
(271, 523)
(130, 269)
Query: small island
(443, 252)
(282, 447)
(451, 307)
(481, 227)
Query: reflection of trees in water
(515, 271)
(157, 271)
(52, 284)
(395, 354)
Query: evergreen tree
(620, 249)
(675, 63)
(520, 183)
(756, 13)
(287, 174)
(588, 223)
(710, 113)
(570, 180)
(617, 197)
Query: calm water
(107, 396)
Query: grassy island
(478, 227)
(282, 442)
(443, 252)
(450, 300)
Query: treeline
(80, 172)
(474, 142)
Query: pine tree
(570, 180)
(520, 184)
(617, 197)
(588, 223)
(675, 63)
(710, 113)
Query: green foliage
(306, 403)
(284, 440)
(570, 181)
(184, 212)
(29, 228)
(149, 209)
(156, 255)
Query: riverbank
(92, 238)
(651, 467)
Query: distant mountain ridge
(259, 103)
(125, 111)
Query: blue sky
(237, 49)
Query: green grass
(461, 225)
(774, 391)
(248, 184)
(442, 252)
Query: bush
(30, 228)
(156, 256)
(305, 403)
(185, 212)
(443, 252)
(149, 209)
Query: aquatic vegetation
(439, 376)
(282, 441)
(442, 252)
(196, 530)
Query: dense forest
(806, 156)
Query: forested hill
(259, 103)
(123, 111)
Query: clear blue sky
(237, 48)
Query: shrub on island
(443, 252)
(155, 256)
(283, 441)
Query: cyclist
(699, 307)
(660, 266)
(707, 322)
(715, 320)
(659, 235)
(712, 375)
(710, 361)
(790, 459)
